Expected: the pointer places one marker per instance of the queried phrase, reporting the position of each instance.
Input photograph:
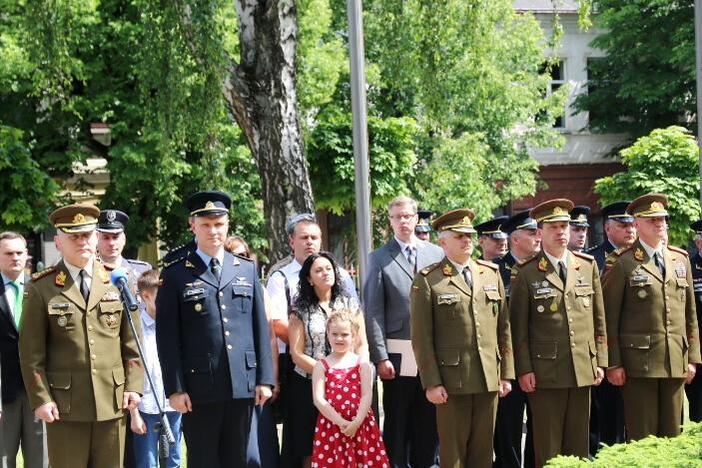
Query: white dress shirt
(153, 367)
(74, 271)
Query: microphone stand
(165, 434)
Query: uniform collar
(458, 266)
(650, 251)
(554, 260)
(75, 271)
(206, 258)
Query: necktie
(658, 260)
(562, 271)
(466, 277)
(84, 291)
(411, 258)
(17, 309)
(216, 268)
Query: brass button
(226, 333)
(94, 357)
(477, 324)
(223, 307)
(572, 333)
(479, 336)
(479, 348)
(221, 294)
(94, 371)
(570, 320)
(225, 319)
(92, 341)
(90, 328)
(229, 346)
(572, 345)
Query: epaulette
(584, 255)
(40, 274)
(526, 261)
(679, 250)
(487, 263)
(621, 251)
(137, 262)
(176, 260)
(241, 257)
(425, 271)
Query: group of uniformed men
(630, 339)
(535, 331)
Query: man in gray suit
(410, 420)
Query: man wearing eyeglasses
(410, 420)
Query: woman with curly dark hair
(319, 294)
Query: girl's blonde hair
(344, 315)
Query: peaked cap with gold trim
(651, 205)
(210, 203)
(460, 220)
(76, 218)
(552, 211)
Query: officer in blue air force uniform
(213, 339)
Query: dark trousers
(694, 396)
(409, 431)
(508, 431)
(217, 434)
(129, 459)
(263, 439)
(606, 416)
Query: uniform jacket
(12, 383)
(386, 296)
(506, 263)
(460, 334)
(558, 330)
(213, 338)
(81, 356)
(600, 252)
(696, 262)
(651, 320)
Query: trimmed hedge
(684, 451)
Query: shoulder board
(429, 269)
(621, 251)
(175, 260)
(528, 260)
(40, 274)
(678, 250)
(487, 264)
(240, 257)
(137, 262)
(584, 255)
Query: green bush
(677, 452)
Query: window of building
(556, 68)
(591, 87)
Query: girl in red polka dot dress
(346, 434)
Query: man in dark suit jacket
(694, 389)
(607, 410)
(524, 242)
(18, 426)
(410, 420)
(213, 339)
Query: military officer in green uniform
(651, 323)
(559, 337)
(462, 344)
(78, 355)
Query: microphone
(118, 277)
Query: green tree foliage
(647, 79)
(471, 74)
(684, 451)
(666, 161)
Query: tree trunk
(260, 92)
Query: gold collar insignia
(638, 254)
(60, 279)
(543, 264)
(448, 271)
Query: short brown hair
(10, 235)
(148, 280)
